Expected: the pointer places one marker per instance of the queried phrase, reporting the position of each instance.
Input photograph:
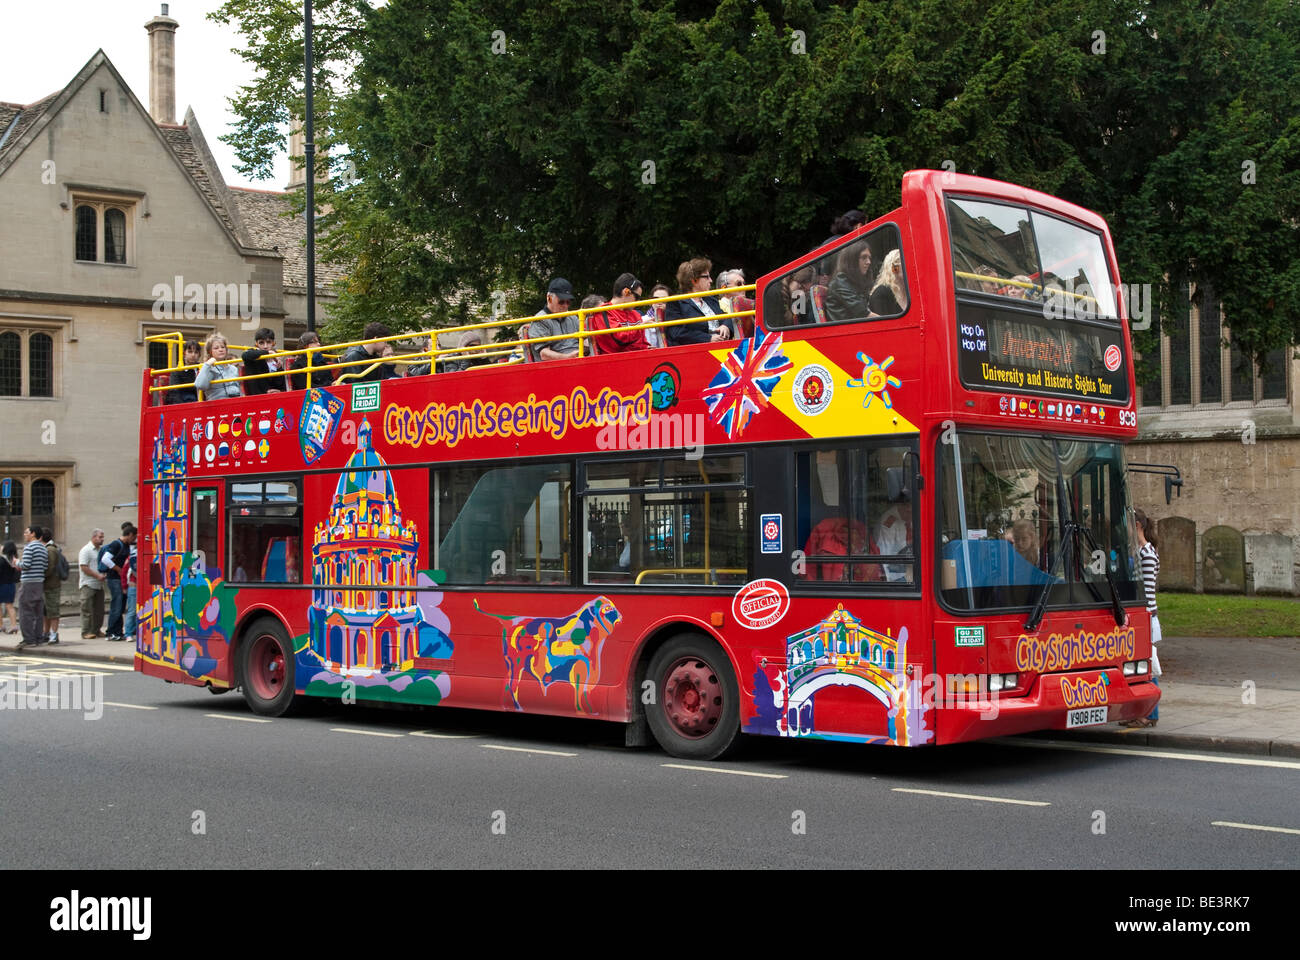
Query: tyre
(266, 668)
(696, 710)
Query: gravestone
(1223, 560)
(1273, 558)
(1177, 554)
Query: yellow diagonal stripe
(846, 416)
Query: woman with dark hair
(849, 296)
(9, 576)
(1150, 560)
(695, 276)
(846, 222)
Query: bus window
(855, 509)
(666, 521)
(993, 249)
(265, 532)
(503, 524)
(863, 279)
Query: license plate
(1087, 717)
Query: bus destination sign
(1005, 351)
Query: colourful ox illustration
(564, 648)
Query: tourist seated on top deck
(627, 288)
(456, 362)
(319, 378)
(372, 352)
(192, 353)
(420, 367)
(849, 294)
(695, 276)
(559, 298)
(655, 313)
(255, 363)
(889, 295)
(729, 278)
(219, 365)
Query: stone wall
(1253, 488)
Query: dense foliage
(488, 144)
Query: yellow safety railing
(1025, 285)
(693, 571)
(360, 368)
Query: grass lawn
(1214, 615)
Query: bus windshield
(1003, 502)
(1011, 251)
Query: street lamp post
(310, 162)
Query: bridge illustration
(841, 652)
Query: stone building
(1233, 430)
(117, 224)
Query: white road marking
(137, 706)
(365, 733)
(59, 661)
(1252, 826)
(1136, 751)
(734, 773)
(442, 736)
(231, 716)
(974, 796)
(549, 753)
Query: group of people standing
(31, 581)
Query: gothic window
(27, 362)
(102, 230)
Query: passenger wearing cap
(627, 288)
(559, 298)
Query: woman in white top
(1150, 560)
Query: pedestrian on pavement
(128, 584)
(111, 561)
(54, 571)
(1150, 560)
(91, 587)
(9, 574)
(31, 596)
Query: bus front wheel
(266, 668)
(695, 713)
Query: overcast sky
(48, 41)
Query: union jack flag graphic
(746, 381)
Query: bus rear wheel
(266, 668)
(696, 710)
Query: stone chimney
(162, 67)
(298, 155)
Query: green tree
(497, 143)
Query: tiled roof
(268, 218)
(11, 132)
(206, 176)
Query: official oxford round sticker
(760, 603)
(813, 388)
(1112, 358)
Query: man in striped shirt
(31, 597)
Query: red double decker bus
(894, 513)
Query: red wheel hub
(692, 698)
(266, 668)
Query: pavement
(1230, 694)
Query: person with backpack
(112, 559)
(56, 571)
